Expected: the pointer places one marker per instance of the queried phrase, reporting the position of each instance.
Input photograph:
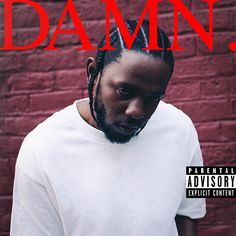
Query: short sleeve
(193, 207)
(33, 212)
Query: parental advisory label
(210, 181)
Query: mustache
(133, 123)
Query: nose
(136, 109)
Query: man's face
(128, 93)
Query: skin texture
(126, 95)
(186, 226)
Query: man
(93, 169)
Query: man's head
(126, 86)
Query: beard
(110, 134)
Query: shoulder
(169, 115)
(45, 135)
(53, 125)
(38, 147)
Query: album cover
(44, 51)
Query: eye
(123, 91)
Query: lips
(127, 129)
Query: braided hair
(105, 57)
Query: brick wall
(35, 83)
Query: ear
(91, 67)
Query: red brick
(234, 57)
(12, 62)
(85, 93)
(232, 86)
(228, 131)
(233, 21)
(220, 211)
(226, 215)
(21, 125)
(54, 11)
(1, 125)
(218, 154)
(4, 233)
(208, 111)
(94, 29)
(204, 66)
(222, 21)
(65, 39)
(184, 25)
(1, 38)
(6, 204)
(220, 202)
(1, 16)
(10, 145)
(234, 106)
(2, 104)
(221, 42)
(53, 101)
(30, 81)
(26, 16)
(90, 10)
(217, 230)
(6, 185)
(5, 210)
(13, 164)
(5, 169)
(166, 22)
(166, 6)
(189, 45)
(23, 37)
(217, 87)
(209, 132)
(181, 79)
(209, 218)
(183, 92)
(131, 9)
(16, 104)
(53, 60)
(3, 87)
(95, 34)
(199, 4)
(74, 79)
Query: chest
(121, 190)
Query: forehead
(138, 69)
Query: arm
(191, 209)
(34, 212)
(186, 226)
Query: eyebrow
(128, 85)
(134, 87)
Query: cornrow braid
(99, 67)
(105, 57)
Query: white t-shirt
(71, 181)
